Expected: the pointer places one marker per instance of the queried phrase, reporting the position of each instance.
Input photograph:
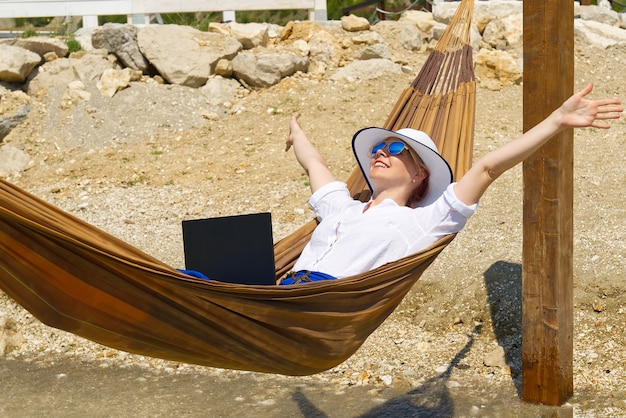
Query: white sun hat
(440, 172)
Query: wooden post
(547, 289)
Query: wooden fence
(137, 10)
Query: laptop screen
(235, 249)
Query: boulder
(14, 109)
(267, 69)
(184, 55)
(497, 66)
(354, 23)
(597, 14)
(411, 38)
(374, 52)
(114, 80)
(484, 11)
(599, 34)
(365, 70)
(323, 52)
(121, 41)
(219, 90)
(424, 21)
(41, 45)
(504, 34)
(251, 35)
(61, 72)
(16, 63)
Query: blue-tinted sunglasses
(393, 148)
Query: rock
(496, 358)
(12, 160)
(10, 338)
(597, 14)
(251, 35)
(411, 38)
(16, 63)
(50, 56)
(599, 34)
(75, 92)
(221, 28)
(65, 70)
(41, 45)
(354, 23)
(83, 36)
(504, 34)
(497, 65)
(367, 38)
(484, 11)
(264, 70)
(120, 40)
(424, 21)
(114, 80)
(93, 64)
(323, 54)
(365, 70)
(219, 90)
(14, 109)
(374, 52)
(184, 55)
(224, 68)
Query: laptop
(234, 249)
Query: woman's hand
(294, 129)
(577, 112)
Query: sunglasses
(393, 148)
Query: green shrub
(619, 6)
(29, 33)
(73, 45)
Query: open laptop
(235, 249)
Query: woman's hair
(421, 189)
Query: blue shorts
(304, 276)
(294, 277)
(194, 273)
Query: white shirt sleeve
(330, 198)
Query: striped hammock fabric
(75, 277)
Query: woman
(414, 202)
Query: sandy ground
(137, 164)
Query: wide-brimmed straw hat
(440, 171)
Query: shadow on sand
(503, 281)
(432, 399)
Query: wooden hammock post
(547, 289)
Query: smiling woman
(411, 208)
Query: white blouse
(349, 241)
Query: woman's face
(393, 164)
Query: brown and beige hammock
(77, 278)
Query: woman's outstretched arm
(575, 112)
(308, 157)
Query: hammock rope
(75, 277)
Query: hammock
(75, 277)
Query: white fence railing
(91, 9)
